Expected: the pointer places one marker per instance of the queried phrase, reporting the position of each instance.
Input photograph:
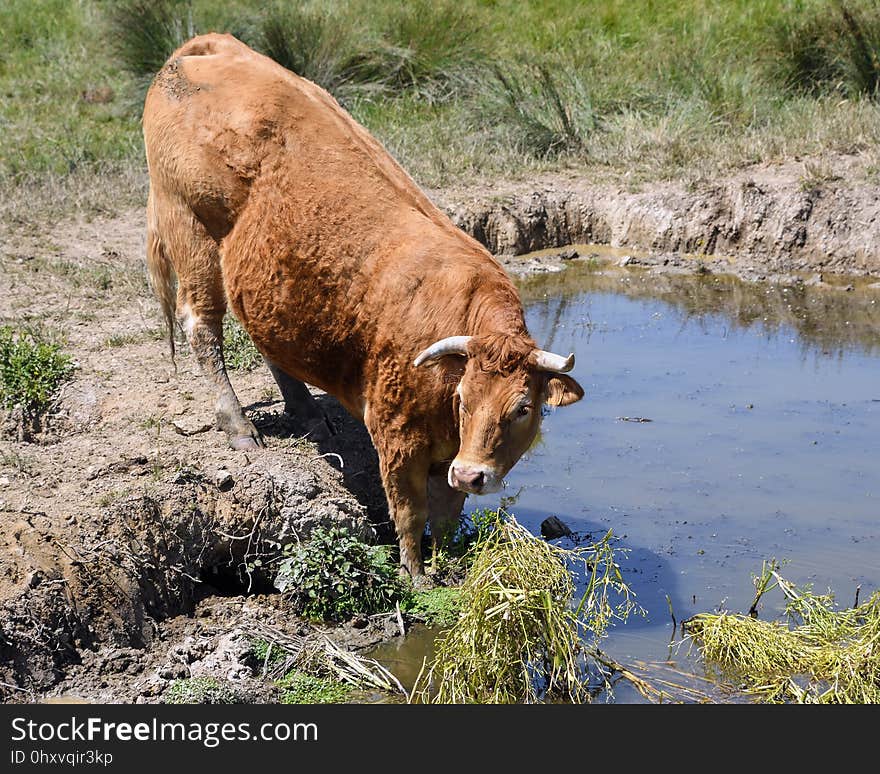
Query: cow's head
(503, 381)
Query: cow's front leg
(444, 512)
(406, 488)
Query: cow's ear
(562, 390)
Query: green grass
(239, 351)
(201, 690)
(436, 607)
(459, 91)
(301, 688)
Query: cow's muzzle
(474, 479)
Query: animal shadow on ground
(349, 450)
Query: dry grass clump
(315, 654)
(819, 656)
(519, 638)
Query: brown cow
(267, 196)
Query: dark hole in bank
(231, 580)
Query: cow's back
(220, 118)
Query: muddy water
(763, 439)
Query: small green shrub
(31, 371)
(334, 576)
(301, 688)
(201, 690)
(260, 648)
(239, 352)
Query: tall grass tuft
(424, 47)
(312, 42)
(433, 48)
(146, 32)
(548, 114)
(832, 47)
(522, 635)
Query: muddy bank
(767, 220)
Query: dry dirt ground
(130, 533)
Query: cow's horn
(452, 345)
(547, 361)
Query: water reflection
(829, 319)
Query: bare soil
(136, 548)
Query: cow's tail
(162, 277)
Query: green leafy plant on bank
(333, 576)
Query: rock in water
(553, 527)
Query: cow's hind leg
(299, 402)
(205, 334)
(178, 236)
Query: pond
(763, 439)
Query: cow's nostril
(479, 479)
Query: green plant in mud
(334, 576)
(239, 352)
(264, 655)
(32, 371)
(301, 688)
(201, 690)
(439, 606)
(819, 655)
(519, 637)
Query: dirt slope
(774, 218)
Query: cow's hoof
(245, 442)
(423, 582)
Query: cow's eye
(523, 411)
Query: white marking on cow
(188, 320)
